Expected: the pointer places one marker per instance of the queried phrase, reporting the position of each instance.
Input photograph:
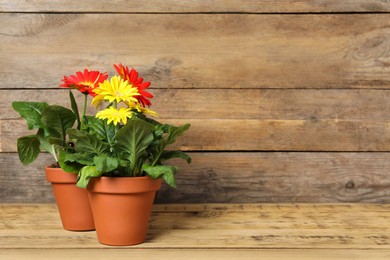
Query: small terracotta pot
(121, 208)
(72, 202)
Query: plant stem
(54, 152)
(84, 110)
(156, 159)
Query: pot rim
(58, 175)
(123, 185)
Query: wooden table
(210, 231)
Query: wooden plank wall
(288, 100)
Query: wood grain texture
(246, 120)
(257, 104)
(201, 231)
(193, 6)
(258, 135)
(238, 178)
(209, 253)
(288, 100)
(201, 51)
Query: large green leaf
(68, 166)
(43, 138)
(164, 171)
(85, 174)
(28, 148)
(169, 137)
(75, 133)
(174, 132)
(132, 140)
(59, 119)
(105, 163)
(88, 143)
(79, 158)
(102, 130)
(32, 112)
(166, 155)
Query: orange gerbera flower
(85, 81)
(132, 77)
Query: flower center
(87, 84)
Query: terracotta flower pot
(121, 207)
(72, 202)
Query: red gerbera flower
(85, 81)
(132, 77)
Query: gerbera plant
(52, 121)
(121, 139)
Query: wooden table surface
(210, 231)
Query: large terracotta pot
(121, 208)
(72, 202)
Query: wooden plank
(257, 217)
(202, 51)
(194, 6)
(324, 209)
(259, 104)
(238, 178)
(258, 135)
(298, 226)
(219, 216)
(24, 183)
(168, 254)
(281, 177)
(294, 119)
(218, 238)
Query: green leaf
(44, 141)
(58, 119)
(28, 148)
(75, 134)
(31, 112)
(171, 133)
(100, 128)
(85, 174)
(169, 178)
(133, 139)
(87, 143)
(56, 141)
(75, 108)
(80, 158)
(164, 171)
(174, 132)
(166, 155)
(68, 166)
(105, 163)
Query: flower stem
(84, 110)
(54, 152)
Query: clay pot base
(72, 202)
(121, 208)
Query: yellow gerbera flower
(146, 111)
(115, 89)
(115, 115)
(97, 100)
(141, 109)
